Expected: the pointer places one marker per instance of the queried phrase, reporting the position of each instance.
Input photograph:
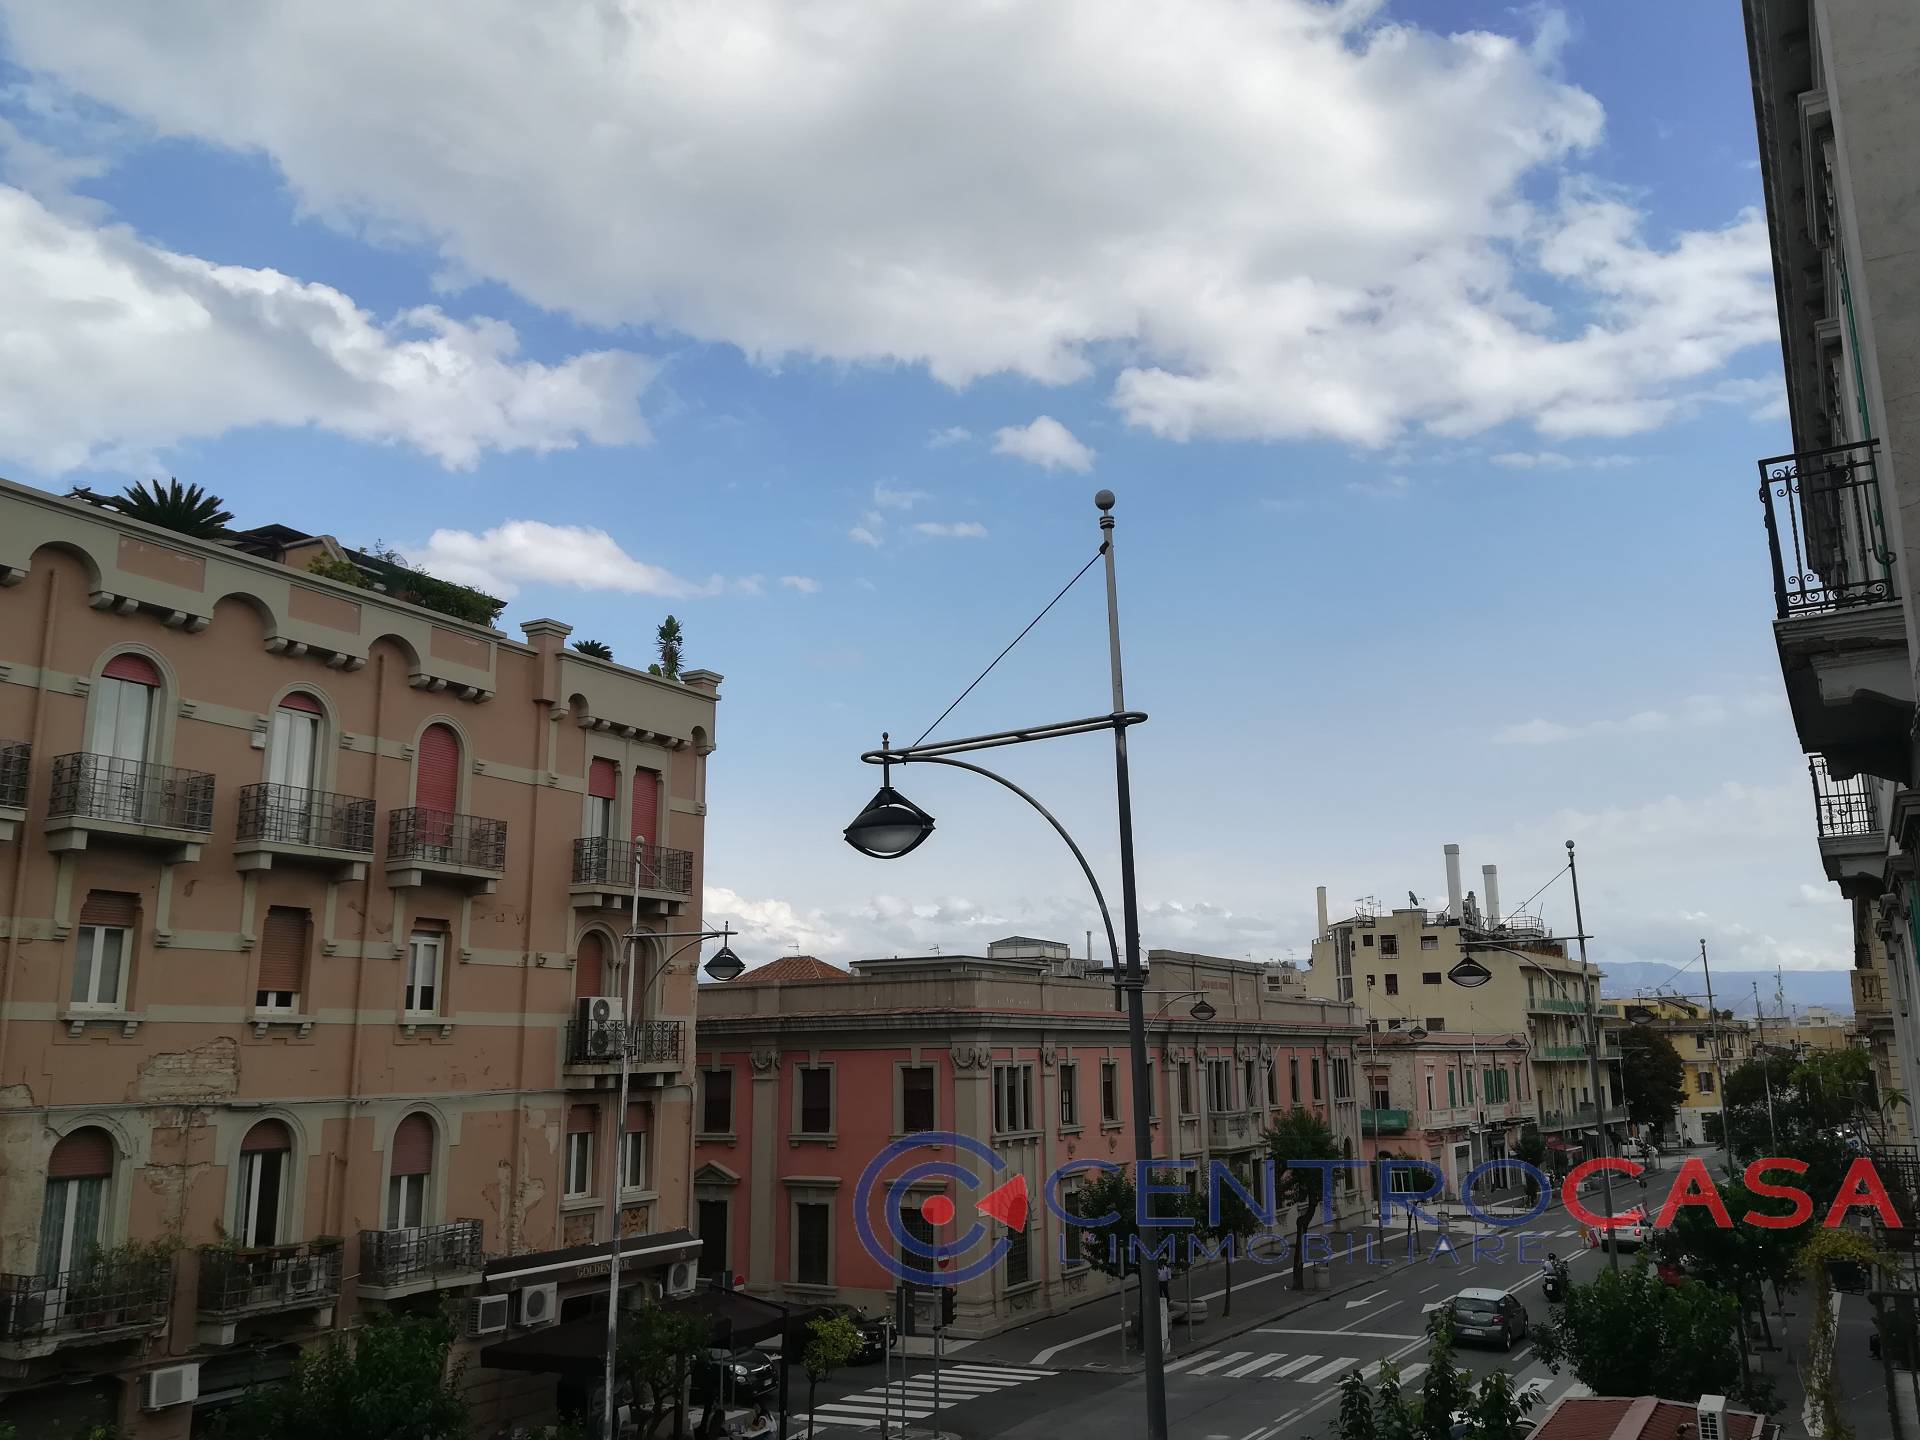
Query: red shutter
(603, 780)
(436, 783)
(83, 1155)
(283, 949)
(413, 1146)
(638, 1113)
(589, 966)
(108, 907)
(136, 668)
(300, 700)
(646, 806)
(581, 1117)
(267, 1135)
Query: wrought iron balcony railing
(269, 1277)
(1841, 807)
(103, 1294)
(420, 1253)
(648, 1042)
(132, 792)
(441, 837)
(1826, 530)
(16, 757)
(600, 861)
(289, 815)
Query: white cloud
(953, 529)
(116, 348)
(949, 435)
(1695, 712)
(888, 499)
(1046, 443)
(804, 584)
(864, 536)
(520, 552)
(1555, 460)
(985, 189)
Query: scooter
(1554, 1287)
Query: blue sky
(1428, 348)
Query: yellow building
(1693, 1031)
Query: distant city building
(1695, 1032)
(807, 1072)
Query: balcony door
(123, 706)
(263, 1164)
(292, 749)
(436, 789)
(77, 1175)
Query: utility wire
(1010, 644)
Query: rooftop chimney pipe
(1320, 906)
(1453, 882)
(1490, 892)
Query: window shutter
(646, 805)
(301, 701)
(108, 907)
(581, 1118)
(603, 781)
(437, 782)
(637, 1116)
(267, 1135)
(283, 949)
(83, 1155)
(136, 668)
(589, 966)
(413, 1146)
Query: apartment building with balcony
(1454, 1099)
(1711, 1046)
(1835, 109)
(808, 1072)
(308, 890)
(1394, 965)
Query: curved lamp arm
(1106, 919)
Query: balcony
(16, 760)
(650, 1044)
(1580, 1117)
(1376, 1121)
(604, 875)
(440, 845)
(1555, 1005)
(128, 802)
(1229, 1131)
(397, 1263)
(1838, 623)
(304, 827)
(1853, 846)
(107, 1300)
(239, 1284)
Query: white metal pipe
(1453, 882)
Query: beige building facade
(304, 888)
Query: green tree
(667, 640)
(833, 1341)
(1780, 1104)
(1491, 1410)
(1300, 1135)
(1231, 1223)
(1446, 1389)
(1817, 1258)
(1744, 1260)
(1531, 1150)
(183, 509)
(594, 649)
(654, 1349)
(1630, 1333)
(1119, 1247)
(1653, 1076)
(392, 1379)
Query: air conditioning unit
(598, 1017)
(682, 1277)
(539, 1305)
(306, 1277)
(170, 1385)
(487, 1315)
(1711, 1414)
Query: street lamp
(1469, 974)
(725, 965)
(892, 826)
(1203, 1012)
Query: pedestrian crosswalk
(1264, 1365)
(914, 1397)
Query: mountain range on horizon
(1733, 989)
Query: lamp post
(724, 965)
(892, 826)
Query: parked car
(1630, 1234)
(1491, 1317)
(873, 1332)
(743, 1374)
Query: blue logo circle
(899, 1189)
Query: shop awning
(585, 1262)
(579, 1347)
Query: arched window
(603, 788)
(77, 1176)
(264, 1161)
(410, 1167)
(294, 745)
(124, 704)
(590, 966)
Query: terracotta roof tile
(1617, 1417)
(792, 967)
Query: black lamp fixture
(1470, 974)
(1516, 1043)
(1638, 1014)
(891, 825)
(725, 965)
(1202, 1011)
(1418, 1032)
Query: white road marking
(1180, 1362)
(1212, 1365)
(1332, 1367)
(1281, 1372)
(1259, 1363)
(1357, 1334)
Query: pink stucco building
(302, 884)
